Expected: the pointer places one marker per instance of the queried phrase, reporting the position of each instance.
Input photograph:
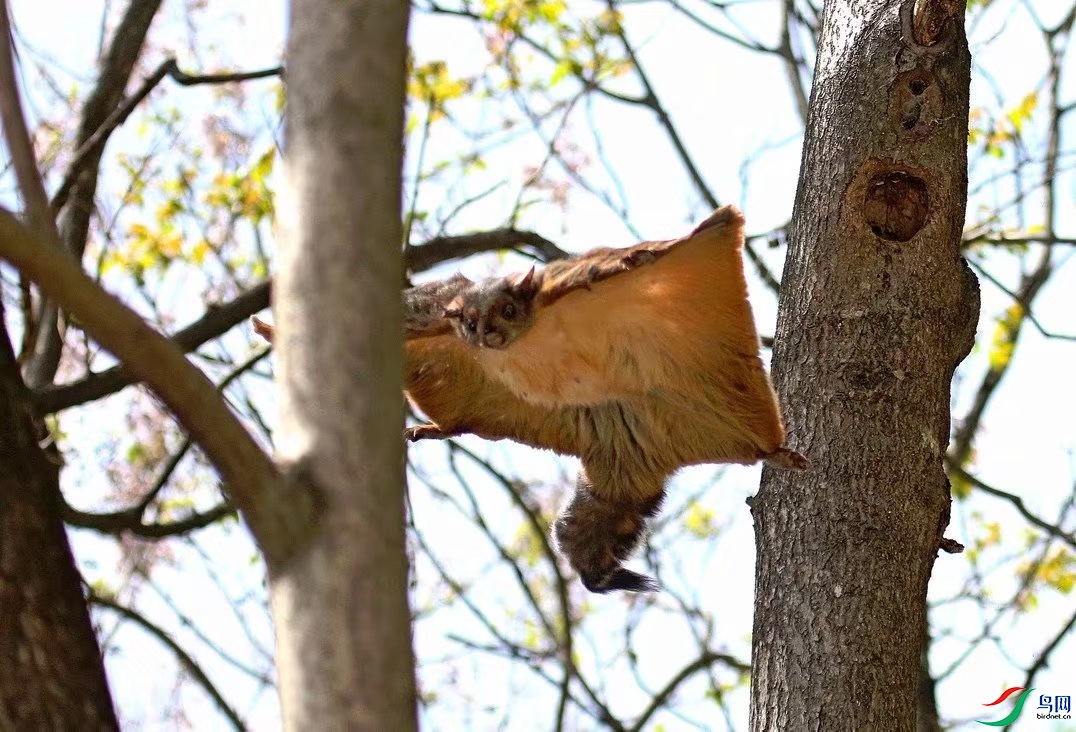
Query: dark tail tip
(624, 580)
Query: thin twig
(1017, 503)
(706, 659)
(189, 664)
(1022, 301)
(168, 68)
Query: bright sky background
(726, 103)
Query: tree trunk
(51, 672)
(876, 311)
(340, 605)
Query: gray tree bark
(876, 311)
(340, 603)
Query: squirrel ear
(452, 311)
(528, 286)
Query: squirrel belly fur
(656, 366)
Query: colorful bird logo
(1015, 711)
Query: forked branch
(279, 522)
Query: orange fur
(640, 361)
(639, 374)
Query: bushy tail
(622, 579)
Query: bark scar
(935, 19)
(949, 546)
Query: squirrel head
(494, 313)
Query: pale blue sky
(727, 104)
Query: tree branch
(216, 322)
(443, 248)
(74, 223)
(1018, 503)
(1043, 659)
(587, 82)
(1032, 283)
(21, 148)
(650, 99)
(703, 661)
(129, 521)
(1021, 299)
(791, 62)
(279, 518)
(184, 658)
(93, 146)
(1029, 239)
(541, 531)
(220, 319)
(18, 137)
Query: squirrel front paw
(425, 432)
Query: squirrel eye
(471, 324)
(509, 311)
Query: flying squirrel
(639, 361)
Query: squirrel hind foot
(787, 459)
(262, 328)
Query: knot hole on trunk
(914, 100)
(896, 205)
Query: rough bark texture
(876, 311)
(51, 673)
(343, 625)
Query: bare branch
(750, 45)
(1018, 503)
(650, 99)
(89, 151)
(706, 659)
(1021, 299)
(541, 530)
(279, 522)
(130, 521)
(443, 248)
(1006, 240)
(189, 664)
(1032, 283)
(18, 137)
(24, 160)
(74, 223)
(216, 322)
(1043, 659)
(791, 62)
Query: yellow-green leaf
(1005, 333)
(699, 520)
